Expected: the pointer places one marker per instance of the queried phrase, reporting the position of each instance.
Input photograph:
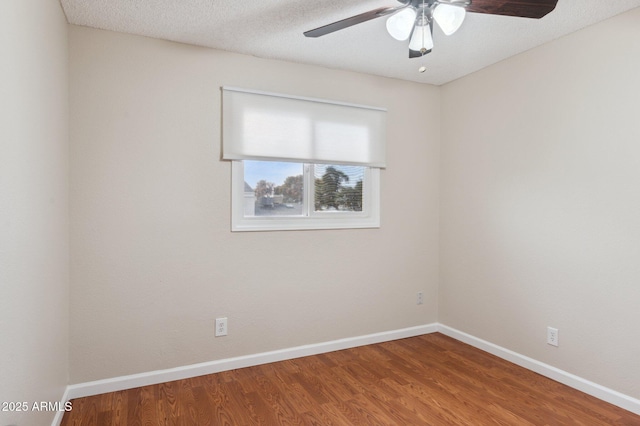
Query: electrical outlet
(420, 298)
(552, 336)
(221, 327)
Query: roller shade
(268, 126)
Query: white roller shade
(267, 126)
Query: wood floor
(426, 380)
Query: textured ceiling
(273, 29)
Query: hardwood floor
(425, 380)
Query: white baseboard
(609, 395)
(57, 419)
(160, 376)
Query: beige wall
(153, 258)
(540, 216)
(34, 263)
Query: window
(286, 195)
(302, 163)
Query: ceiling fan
(413, 19)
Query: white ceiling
(273, 29)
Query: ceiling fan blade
(354, 20)
(522, 8)
(348, 22)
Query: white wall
(34, 264)
(153, 258)
(540, 203)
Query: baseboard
(160, 376)
(609, 395)
(57, 419)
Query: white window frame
(369, 217)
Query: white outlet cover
(552, 336)
(221, 327)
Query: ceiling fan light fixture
(421, 40)
(449, 17)
(399, 25)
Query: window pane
(338, 188)
(273, 188)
